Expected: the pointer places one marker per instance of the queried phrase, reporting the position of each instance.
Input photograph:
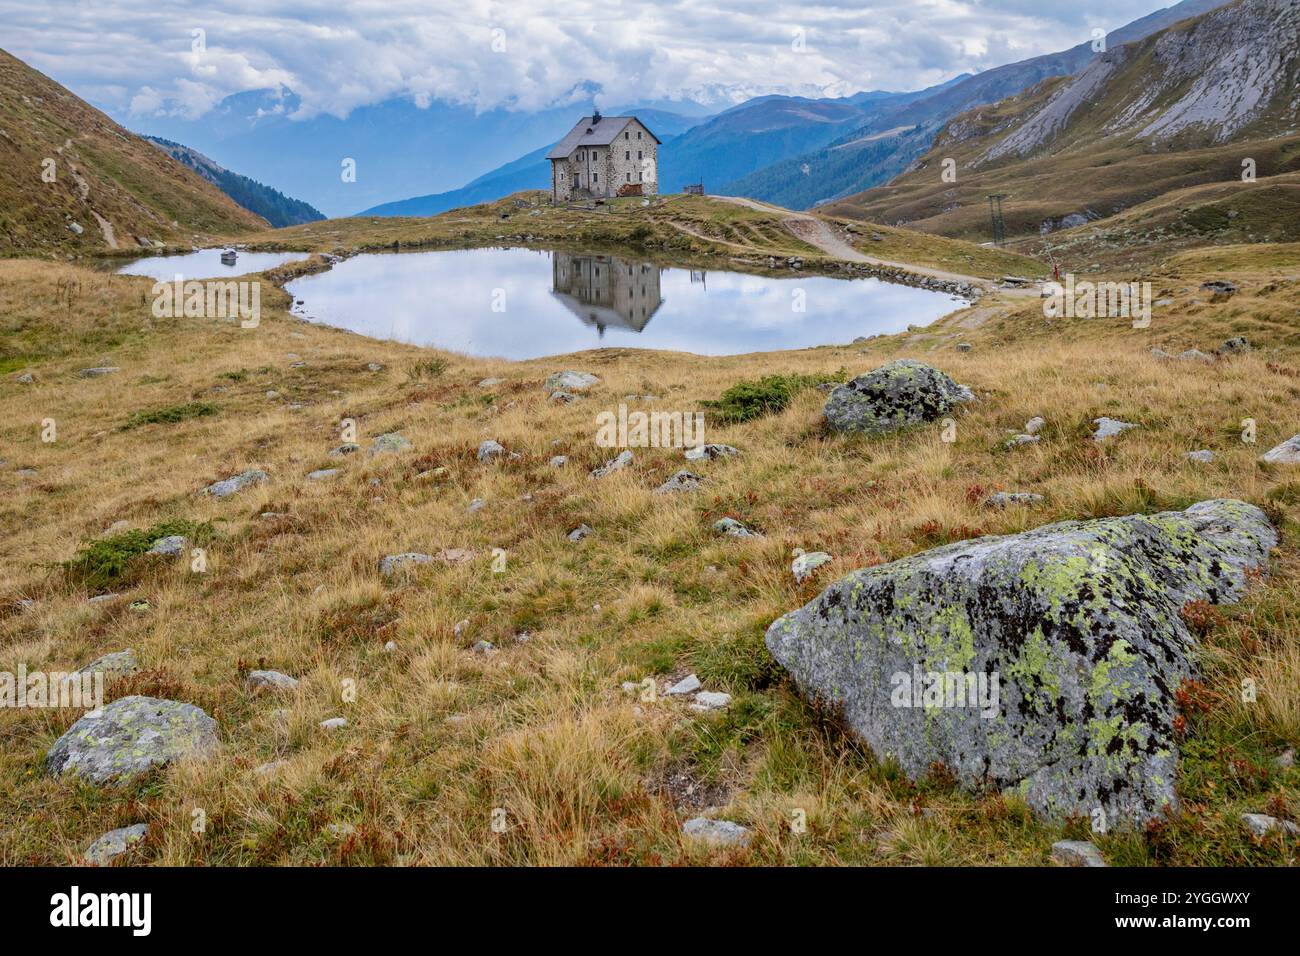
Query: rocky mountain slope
(271, 204)
(1198, 102)
(73, 181)
(899, 133)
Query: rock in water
(131, 736)
(893, 396)
(1056, 653)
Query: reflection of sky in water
(445, 299)
(206, 264)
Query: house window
(638, 135)
(581, 156)
(627, 154)
(627, 135)
(595, 177)
(629, 177)
(638, 154)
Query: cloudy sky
(144, 57)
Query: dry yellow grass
(440, 736)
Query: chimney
(595, 117)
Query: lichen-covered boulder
(1045, 662)
(893, 396)
(129, 737)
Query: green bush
(766, 396)
(109, 562)
(170, 414)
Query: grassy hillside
(111, 185)
(440, 735)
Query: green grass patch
(169, 414)
(110, 562)
(754, 398)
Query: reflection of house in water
(604, 291)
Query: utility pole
(995, 216)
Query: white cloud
(137, 55)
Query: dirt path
(106, 229)
(817, 232)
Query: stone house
(602, 155)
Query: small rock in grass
(478, 504)
(394, 562)
(716, 832)
(259, 681)
(1003, 499)
(1204, 456)
(564, 398)
(347, 448)
(1109, 428)
(570, 381)
(489, 382)
(687, 685)
(804, 565)
(614, 464)
(115, 843)
(490, 449)
(710, 452)
(734, 528)
(1016, 440)
(1285, 760)
(964, 346)
(559, 461)
(710, 700)
(321, 474)
(580, 532)
(1261, 824)
(455, 555)
(229, 486)
(460, 628)
(98, 371)
(483, 647)
(1287, 453)
(390, 443)
(1194, 355)
(681, 481)
(340, 831)
(334, 723)
(1077, 853)
(171, 546)
(1235, 345)
(1035, 425)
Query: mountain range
(1209, 99)
(271, 204)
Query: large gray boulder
(1044, 663)
(129, 737)
(902, 393)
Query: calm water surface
(522, 303)
(206, 264)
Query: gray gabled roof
(588, 132)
